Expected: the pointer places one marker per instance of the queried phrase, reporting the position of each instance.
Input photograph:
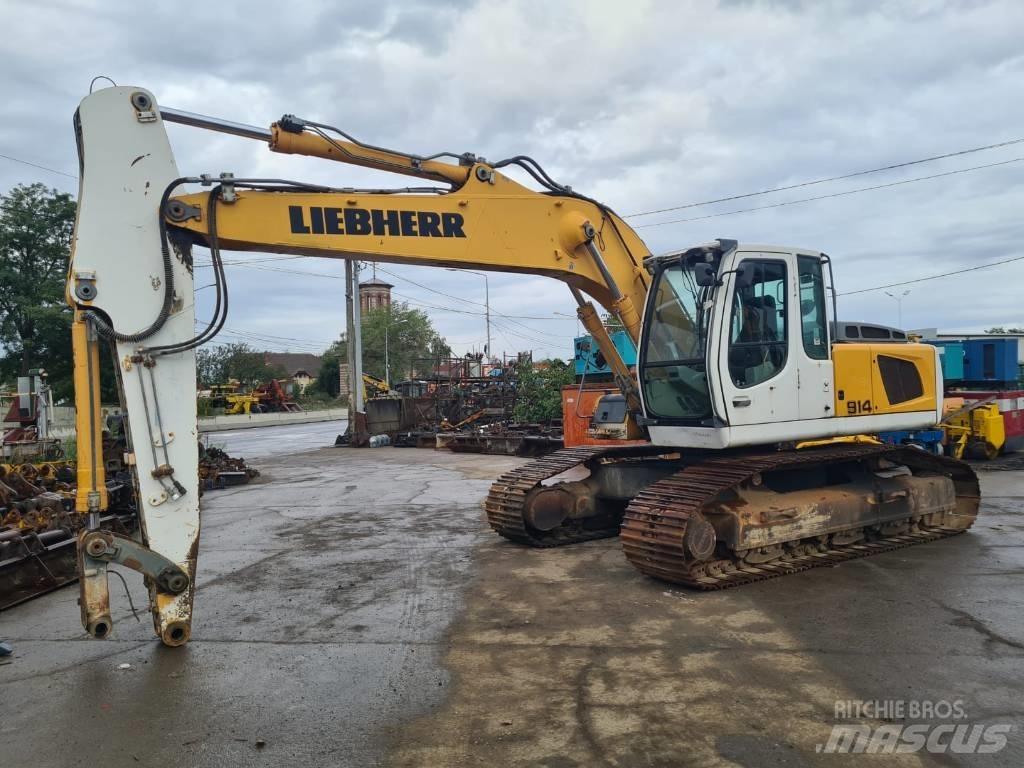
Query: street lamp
(899, 304)
(487, 303)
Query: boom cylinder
(620, 372)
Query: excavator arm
(130, 284)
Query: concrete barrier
(63, 424)
(253, 420)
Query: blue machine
(951, 353)
(990, 361)
(927, 439)
(590, 361)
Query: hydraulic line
(106, 330)
(220, 311)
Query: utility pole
(357, 321)
(487, 304)
(487, 310)
(354, 355)
(387, 361)
(350, 335)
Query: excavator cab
(736, 350)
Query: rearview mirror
(704, 274)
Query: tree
(539, 389)
(36, 226)
(410, 338)
(328, 378)
(1001, 329)
(411, 342)
(220, 364)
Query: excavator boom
(130, 283)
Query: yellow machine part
(843, 440)
(982, 427)
(240, 404)
(874, 379)
(374, 387)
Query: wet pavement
(354, 610)
(324, 593)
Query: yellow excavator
(374, 387)
(738, 360)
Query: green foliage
(1001, 329)
(327, 379)
(411, 343)
(218, 365)
(314, 399)
(36, 226)
(539, 390)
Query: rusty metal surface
(39, 528)
(34, 563)
(219, 470)
(657, 539)
(500, 444)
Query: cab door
(815, 373)
(757, 369)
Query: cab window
(758, 329)
(673, 366)
(813, 317)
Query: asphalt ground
(354, 610)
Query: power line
(834, 194)
(428, 288)
(935, 277)
(36, 165)
(829, 179)
(510, 318)
(272, 336)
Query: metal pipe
(613, 288)
(357, 337)
(214, 124)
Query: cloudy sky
(645, 105)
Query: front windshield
(674, 377)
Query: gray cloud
(642, 105)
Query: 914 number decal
(858, 407)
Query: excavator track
(656, 520)
(507, 498)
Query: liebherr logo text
(373, 221)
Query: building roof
(374, 283)
(294, 362)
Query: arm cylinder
(91, 493)
(182, 117)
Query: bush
(539, 390)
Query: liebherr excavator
(741, 391)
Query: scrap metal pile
(39, 527)
(456, 407)
(218, 470)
